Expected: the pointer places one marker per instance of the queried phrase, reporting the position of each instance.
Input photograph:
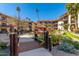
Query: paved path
(29, 47)
(26, 46)
(4, 38)
(27, 35)
(26, 38)
(36, 52)
(27, 43)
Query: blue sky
(47, 11)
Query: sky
(47, 11)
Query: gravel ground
(56, 52)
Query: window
(2, 18)
(61, 24)
(4, 24)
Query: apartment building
(61, 22)
(69, 20)
(7, 21)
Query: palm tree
(18, 16)
(18, 12)
(37, 11)
(30, 23)
(72, 10)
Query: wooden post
(13, 44)
(50, 47)
(36, 36)
(46, 39)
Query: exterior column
(69, 23)
(78, 20)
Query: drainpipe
(69, 22)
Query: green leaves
(3, 45)
(18, 8)
(72, 8)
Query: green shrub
(3, 45)
(67, 40)
(41, 38)
(70, 42)
(56, 38)
(67, 47)
(76, 44)
(55, 31)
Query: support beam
(69, 23)
(78, 20)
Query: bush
(55, 31)
(55, 39)
(76, 44)
(67, 47)
(3, 45)
(77, 31)
(41, 38)
(70, 39)
(67, 40)
(70, 42)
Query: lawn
(72, 35)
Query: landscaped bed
(4, 50)
(67, 41)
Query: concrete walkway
(36, 52)
(26, 38)
(23, 40)
(26, 35)
(4, 38)
(29, 45)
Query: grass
(41, 38)
(71, 35)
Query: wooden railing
(47, 40)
